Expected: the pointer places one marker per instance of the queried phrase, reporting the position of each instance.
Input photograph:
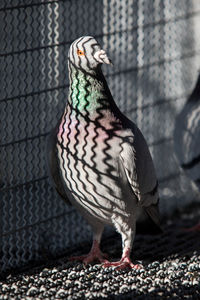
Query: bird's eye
(80, 52)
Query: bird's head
(85, 53)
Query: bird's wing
(186, 135)
(53, 165)
(139, 169)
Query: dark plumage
(187, 137)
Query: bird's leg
(193, 228)
(95, 253)
(125, 261)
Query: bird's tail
(153, 212)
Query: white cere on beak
(102, 57)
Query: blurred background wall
(155, 48)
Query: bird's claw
(122, 264)
(194, 228)
(90, 257)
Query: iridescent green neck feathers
(86, 92)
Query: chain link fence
(155, 48)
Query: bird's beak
(102, 57)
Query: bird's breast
(88, 157)
(81, 133)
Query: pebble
(173, 273)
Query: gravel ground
(170, 270)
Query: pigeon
(98, 159)
(187, 138)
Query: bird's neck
(88, 93)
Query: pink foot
(124, 262)
(193, 228)
(121, 264)
(95, 254)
